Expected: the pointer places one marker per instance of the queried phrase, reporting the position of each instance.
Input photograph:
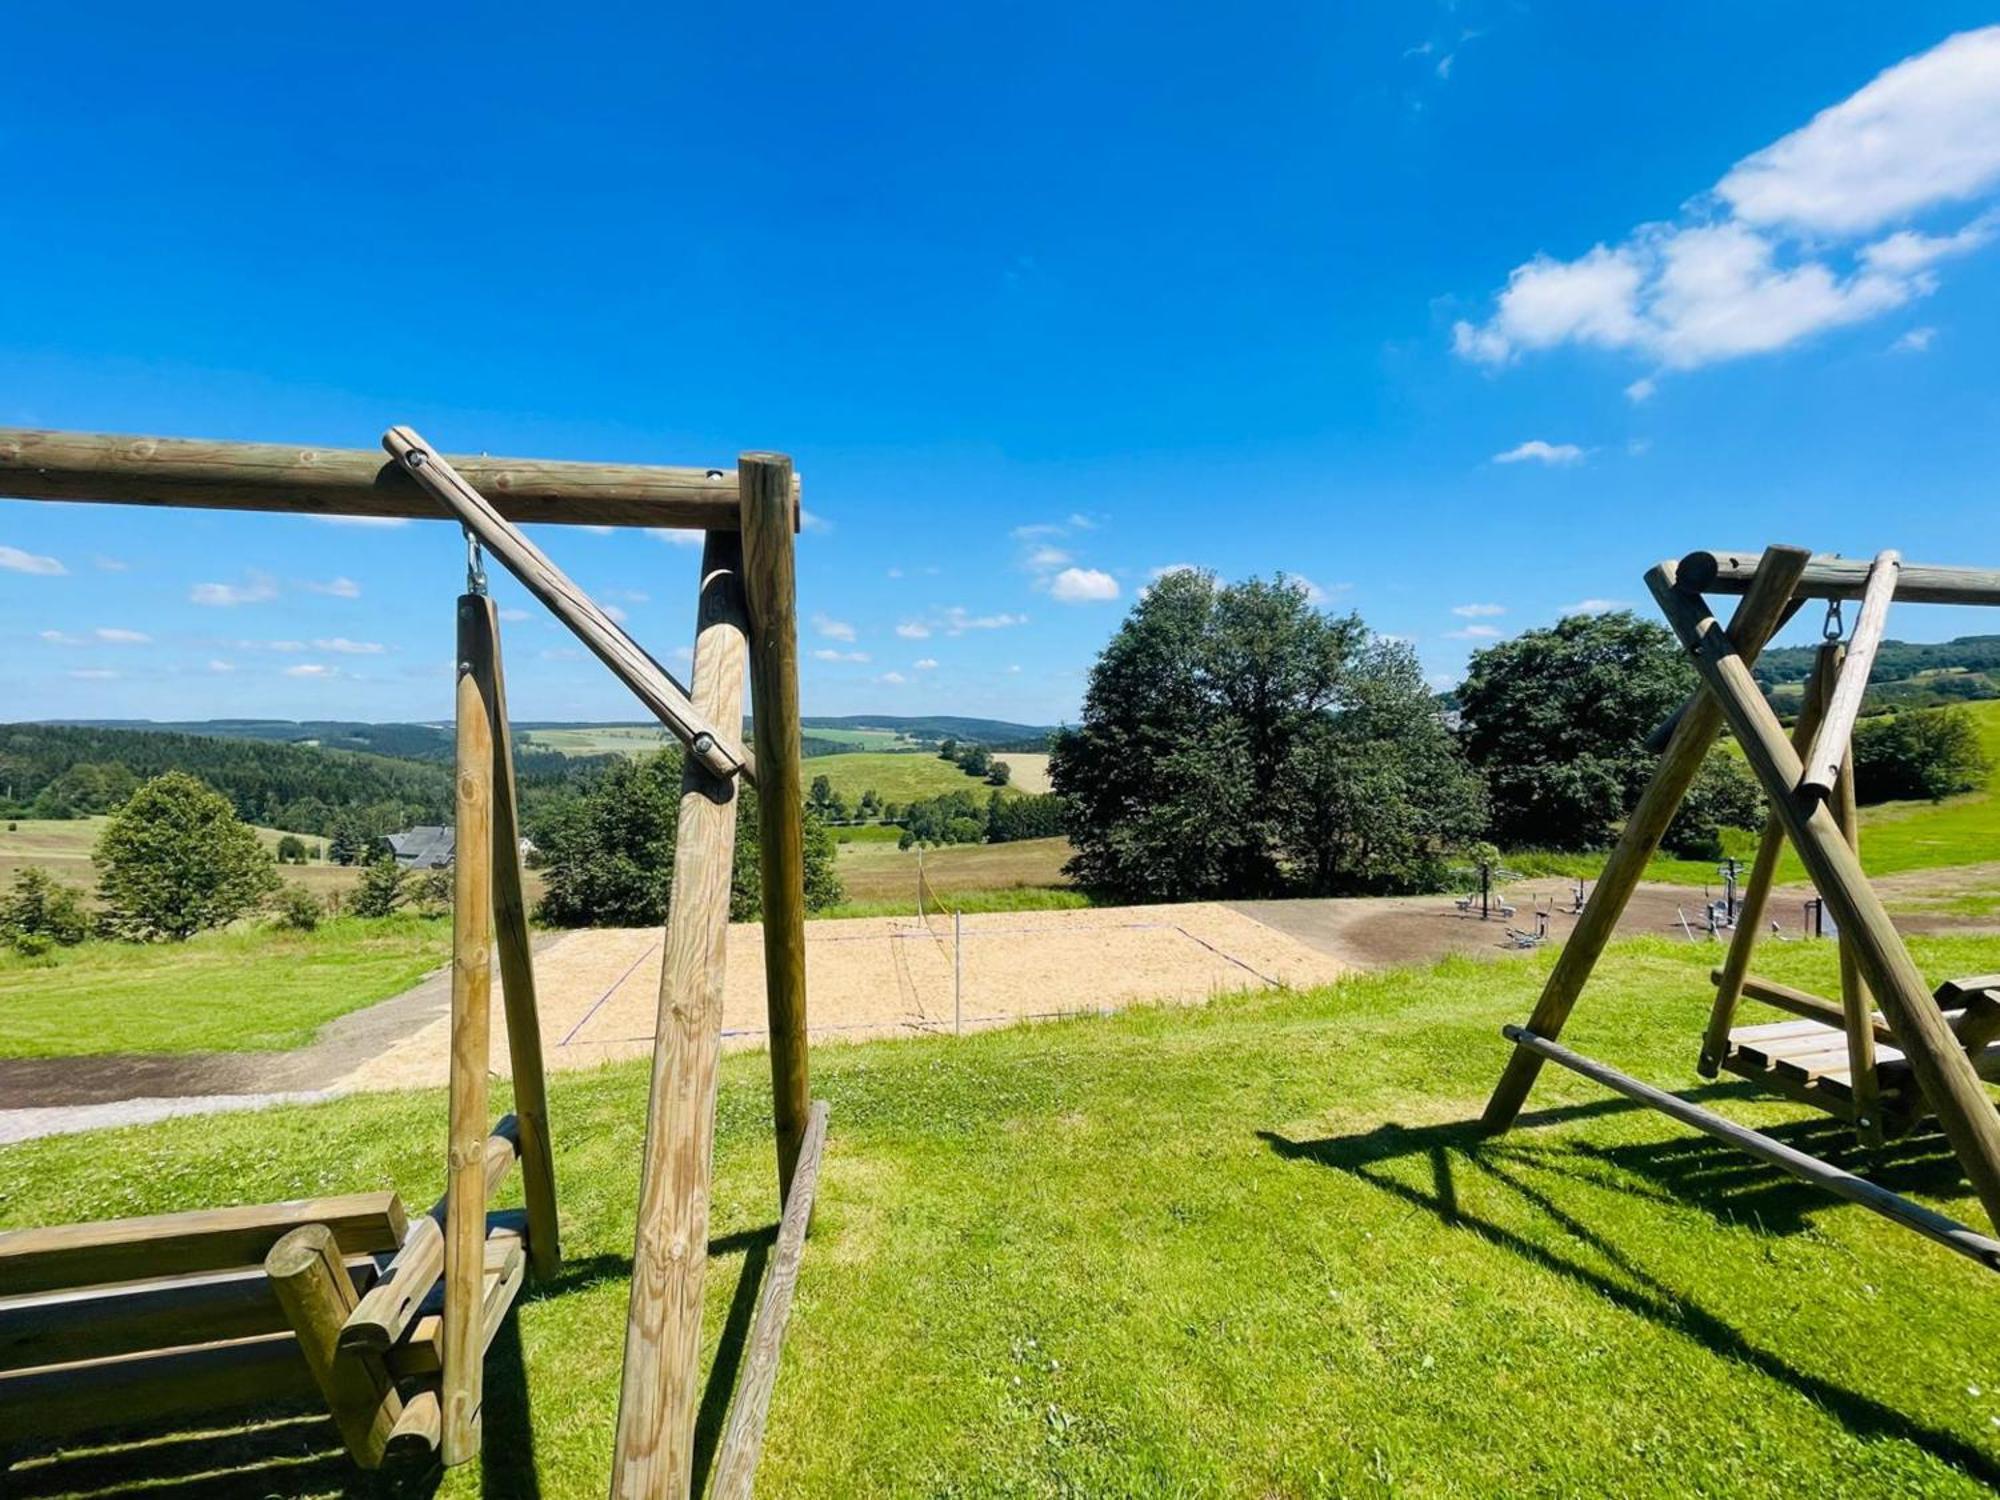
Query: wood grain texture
(138, 1389)
(1829, 577)
(471, 1043)
(654, 1452)
(208, 1239)
(717, 746)
(311, 1283)
(517, 964)
(1831, 744)
(36, 464)
(771, 594)
(1946, 1076)
(743, 1438)
(1759, 615)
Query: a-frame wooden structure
(1881, 1072)
(746, 615)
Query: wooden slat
(209, 1239)
(42, 465)
(1754, 621)
(417, 1356)
(1828, 577)
(130, 1317)
(1802, 1003)
(312, 1283)
(717, 747)
(134, 1389)
(743, 1438)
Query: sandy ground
(889, 976)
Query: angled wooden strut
(1949, 1083)
(1829, 746)
(1762, 610)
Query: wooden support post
(1830, 746)
(765, 482)
(517, 967)
(1950, 1085)
(743, 1439)
(1756, 618)
(1856, 1003)
(654, 1453)
(310, 1279)
(1763, 872)
(471, 1028)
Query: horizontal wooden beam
(1802, 1003)
(36, 464)
(1828, 577)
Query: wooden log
(130, 1317)
(119, 469)
(517, 964)
(134, 1390)
(418, 1431)
(1803, 1003)
(719, 749)
(1857, 1005)
(743, 1438)
(1950, 1085)
(1755, 619)
(387, 1308)
(471, 1040)
(417, 1356)
(1927, 1222)
(771, 594)
(1663, 732)
(1831, 741)
(654, 1451)
(209, 1239)
(1763, 873)
(1828, 577)
(312, 1284)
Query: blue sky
(1466, 313)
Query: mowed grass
(252, 989)
(895, 776)
(1252, 1249)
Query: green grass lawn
(1251, 1249)
(248, 990)
(896, 776)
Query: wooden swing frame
(1880, 1072)
(354, 1319)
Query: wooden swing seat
(126, 1323)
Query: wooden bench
(218, 1312)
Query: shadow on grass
(301, 1452)
(1730, 1186)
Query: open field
(896, 776)
(1251, 1249)
(247, 990)
(637, 739)
(880, 878)
(1030, 769)
(62, 847)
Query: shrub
(381, 888)
(431, 892)
(41, 913)
(1724, 795)
(175, 859)
(291, 850)
(295, 908)
(1931, 753)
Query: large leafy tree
(175, 859)
(1236, 741)
(1557, 721)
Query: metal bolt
(703, 743)
(415, 458)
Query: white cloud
(958, 620)
(1641, 390)
(1552, 454)
(93, 674)
(114, 636)
(1165, 569)
(342, 646)
(1478, 611)
(1315, 595)
(925, 664)
(813, 521)
(1473, 633)
(1922, 133)
(1045, 557)
(1014, 670)
(826, 653)
(832, 629)
(674, 536)
(1083, 586)
(1915, 341)
(600, 530)
(363, 520)
(1769, 259)
(513, 616)
(1593, 607)
(260, 588)
(893, 679)
(914, 630)
(1036, 530)
(110, 564)
(1080, 522)
(217, 664)
(60, 638)
(614, 614)
(894, 573)
(312, 669)
(14, 560)
(337, 588)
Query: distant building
(424, 848)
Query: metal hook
(1832, 629)
(475, 566)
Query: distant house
(423, 848)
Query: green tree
(381, 890)
(947, 749)
(1237, 741)
(291, 850)
(40, 912)
(1929, 754)
(344, 847)
(1557, 722)
(975, 760)
(999, 773)
(870, 806)
(175, 859)
(1724, 795)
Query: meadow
(62, 847)
(896, 776)
(1248, 1249)
(881, 880)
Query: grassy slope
(62, 847)
(1247, 1250)
(897, 776)
(881, 879)
(251, 990)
